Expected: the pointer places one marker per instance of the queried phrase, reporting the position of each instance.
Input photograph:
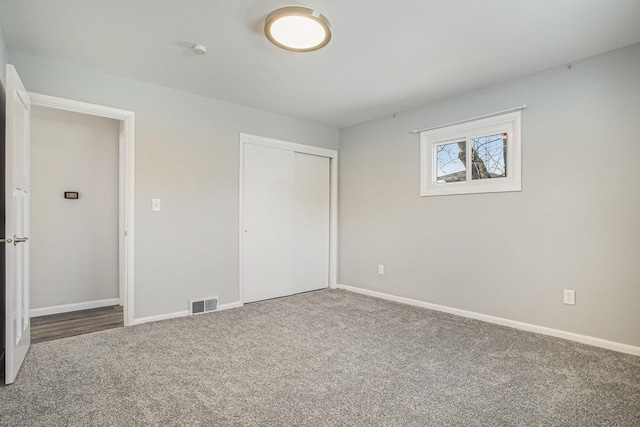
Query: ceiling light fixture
(297, 28)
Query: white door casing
(17, 210)
(126, 186)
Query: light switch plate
(570, 297)
(155, 205)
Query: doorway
(288, 213)
(121, 261)
(74, 221)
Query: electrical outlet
(570, 297)
(380, 268)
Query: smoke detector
(199, 49)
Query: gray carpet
(326, 358)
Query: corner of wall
(4, 54)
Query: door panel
(3, 116)
(17, 208)
(267, 218)
(311, 223)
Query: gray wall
(574, 225)
(3, 58)
(74, 243)
(186, 155)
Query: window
(481, 156)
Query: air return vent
(199, 306)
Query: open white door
(18, 333)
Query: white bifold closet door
(286, 198)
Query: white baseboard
(44, 311)
(584, 339)
(229, 306)
(184, 313)
(161, 317)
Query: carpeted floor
(326, 358)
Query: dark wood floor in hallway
(63, 325)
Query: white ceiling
(385, 56)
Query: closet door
(267, 221)
(310, 222)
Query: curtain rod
(522, 107)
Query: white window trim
(504, 123)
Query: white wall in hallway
(74, 243)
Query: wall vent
(205, 305)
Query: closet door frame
(332, 155)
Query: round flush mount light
(297, 28)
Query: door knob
(17, 240)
